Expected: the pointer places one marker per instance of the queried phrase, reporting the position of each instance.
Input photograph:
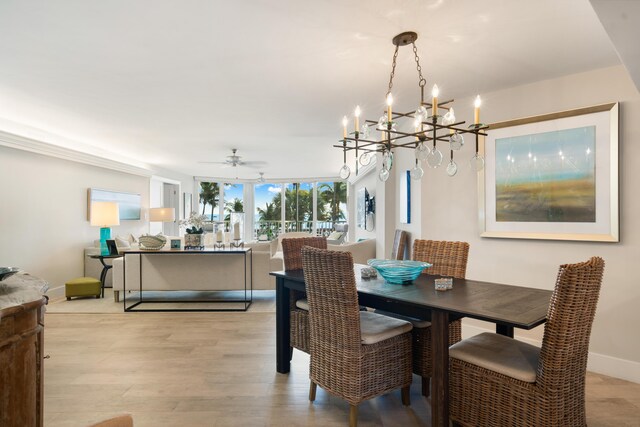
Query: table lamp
(162, 214)
(104, 215)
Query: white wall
(43, 212)
(155, 201)
(449, 212)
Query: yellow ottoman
(82, 287)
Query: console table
(21, 350)
(215, 276)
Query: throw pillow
(336, 235)
(122, 243)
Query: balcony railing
(272, 229)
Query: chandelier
(426, 128)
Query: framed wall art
(129, 204)
(362, 201)
(552, 177)
(405, 197)
(186, 205)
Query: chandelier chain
(421, 82)
(393, 70)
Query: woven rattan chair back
(400, 242)
(557, 397)
(334, 314)
(291, 250)
(565, 344)
(340, 363)
(447, 258)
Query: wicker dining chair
(299, 309)
(356, 355)
(447, 259)
(400, 242)
(498, 381)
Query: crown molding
(34, 146)
(266, 180)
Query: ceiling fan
(234, 160)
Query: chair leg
(425, 386)
(406, 395)
(353, 416)
(312, 391)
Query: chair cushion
(417, 323)
(515, 359)
(303, 304)
(376, 327)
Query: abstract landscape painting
(547, 177)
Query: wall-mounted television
(129, 204)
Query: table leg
(283, 325)
(504, 330)
(440, 377)
(103, 275)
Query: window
(268, 211)
(277, 207)
(233, 202)
(331, 207)
(298, 207)
(209, 198)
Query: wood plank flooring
(218, 369)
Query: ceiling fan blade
(213, 163)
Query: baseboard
(614, 367)
(628, 370)
(56, 292)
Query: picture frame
(552, 177)
(175, 244)
(112, 247)
(405, 198)
(362, 202)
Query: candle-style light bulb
(357, 114)
(476, 110)
(389, 104)
(344, 126)
(417, 126)
(434, 102)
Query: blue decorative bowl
(398, 272)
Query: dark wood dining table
(507, 306)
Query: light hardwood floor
(218, 369)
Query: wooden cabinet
(21, 359)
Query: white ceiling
(172, 83)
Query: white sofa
(213, 272)
(196, 271)
(360, 251)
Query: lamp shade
(105, 214)
(162, 214)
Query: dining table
(507, 306)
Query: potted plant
(194, 239)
